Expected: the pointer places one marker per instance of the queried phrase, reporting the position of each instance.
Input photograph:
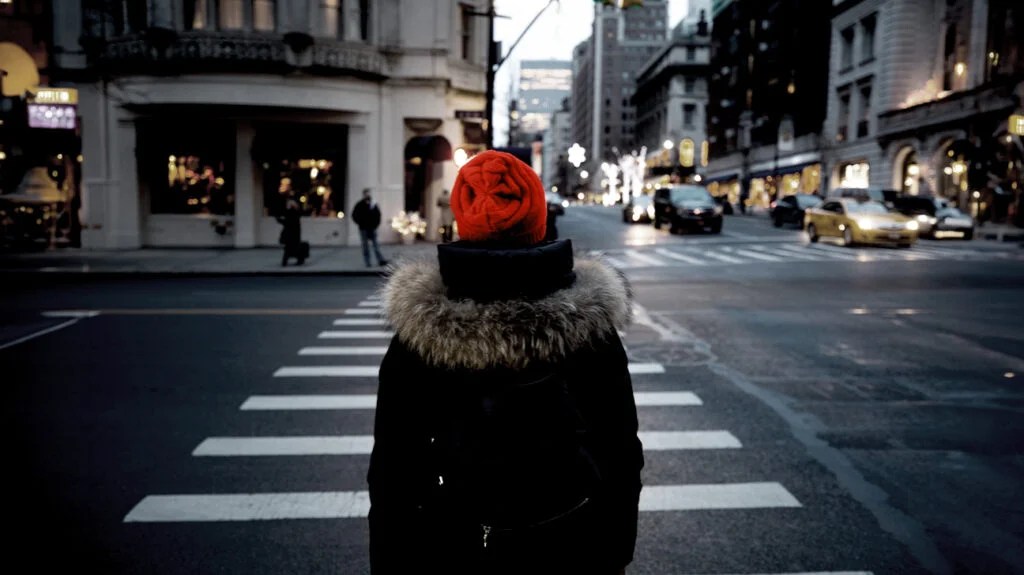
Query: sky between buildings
(552, 37)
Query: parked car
(860, 222)
(687, 206)
(790, 209)
(638, 209)
(936, 217)
(880, 195)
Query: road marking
(679, 256)
(338, 402)
(363, 311)
(794, 253)
(661, 398)
(308, 402)
(616, 263)
(343, 350)
(329, 371)
(715, 496)
(756, 255)
(363, 444)
(369, 303)
(361, 321)
(356, 504)
(220, 311)
(671, 440)
(273, 446)
(79, 313)
(814, 573)
(250, 507)
(644, 258)
(355, 334)
(723, 257)
(833, 251)
(39, 333)
(645, 368)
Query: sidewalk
(346, 260)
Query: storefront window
(910, 175)
(263, 15)
(810, 179)
(186, 173)
(854, 175)
(309, 181)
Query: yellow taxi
(859, 222)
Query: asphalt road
(865, 406)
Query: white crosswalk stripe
(361, 321)
(651, 261)
(356, 334)
(678, 256)
(363, 311)
(328, 371)
(354, 350)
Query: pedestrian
(447, 219)
(551, 225)
(366, 215)
(291, 233)
(505, 438)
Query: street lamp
(667, 144)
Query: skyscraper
(543, 84)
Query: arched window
(910, 174)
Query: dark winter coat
(365, 216)
(479, 321)
(291, 231)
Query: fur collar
(505, 333)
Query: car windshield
(690, 194)
(866, 208)
(641, 200)
(807, 200)
(950, 211)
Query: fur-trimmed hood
(508, 333)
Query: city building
(767, 98)
(921, 96)
(199, 117)
(543, 84)
(623, 39)
(671, 101)
(557, 140)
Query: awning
(782, 170)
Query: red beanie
(496, 197)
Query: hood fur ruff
(507, 333)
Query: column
(161, 14)
(125, 221)
(360, 176)
(248, 196)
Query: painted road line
(339, 402)
(833, 251)
(791, 252)
(616, 263)
(663, 398)
(651, 261)
(369, 303)
(678, 256)
(722, 257)
(308, 402)
(356, 334)
(39, 333)
(363, 444)
(360, 321)
(715, 496)
(671, 440)
(273, 446)
(343, 350)
(356, 504)
(645, 368)
(250, 507)
(363, 311)
(329, 371)
(78, 313)
(756, 255)
(372, 370)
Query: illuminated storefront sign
(55, 96)
(51, 116)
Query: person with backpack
(505, 438)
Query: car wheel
(812, 233)
(777, 221)
(969, 235)
(625, 218)
(716, 228)
(848, 237)
(657, 222)
(905, 246)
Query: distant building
(622, 41)
(671, 101)
(767, 97)
(542, 86)
(557, 140)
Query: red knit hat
(496, 197)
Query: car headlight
(650, 211)
(926, 219)
(912, 225)
(565, 203)
(866, 224)
(637, 210)
(698, 212)
(718, 210)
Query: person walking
(505, 438)
(291, 233)
(444, 202)
(366, 215)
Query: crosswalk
(765, 253)
(191, 508)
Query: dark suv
(687, 206)
(936, 217)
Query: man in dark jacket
(505, 438)
(366, 215)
